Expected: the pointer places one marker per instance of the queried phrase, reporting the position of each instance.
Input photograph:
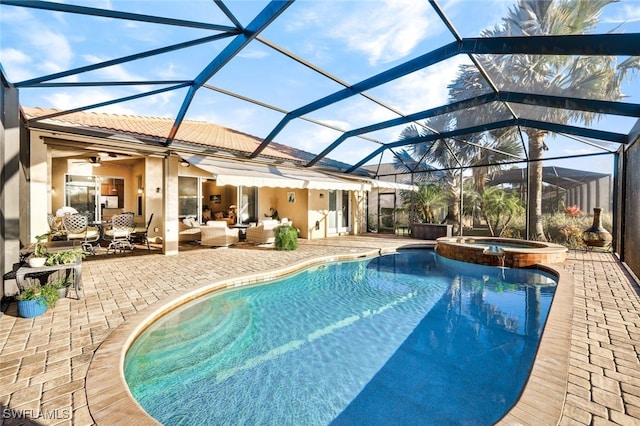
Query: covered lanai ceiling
(336, 79)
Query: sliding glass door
(339, 215)
(82, 193)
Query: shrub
(286, 237)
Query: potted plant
(286, 237)
(50, 294)
(65, 257)
(62, 286)
(31, 302)
(39, 256)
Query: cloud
(253, 54)
(630, 12)
(158, 105)
(51, 48)
(16, 64)
(365, 28)
(114, 72)
(426, 88)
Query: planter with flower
(33, 301)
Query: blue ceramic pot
(32, 308)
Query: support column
(592, 196)
(10, 200)
(170, 203)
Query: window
(188, 190)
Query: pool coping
(110, 401)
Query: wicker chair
(77, 228)
(216, 233)
(263, 233)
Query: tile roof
(197, 133)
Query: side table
(75, 268)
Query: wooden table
(242, 231)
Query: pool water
(408, 338)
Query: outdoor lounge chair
(216, 233)
(188, 230)
(263, 233)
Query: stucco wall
(318, 208)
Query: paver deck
(44, 362)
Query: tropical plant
(47, 294)
(428, 198)
(65, 257)
(498, 209)
(445, 160)
(30, 293)
(286, 237)
(560, 75)
(572, 211)
(40, 250)
(61, 282)
(50, 294)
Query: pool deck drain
(44, 362)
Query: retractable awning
(242, 173)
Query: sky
(352, 40)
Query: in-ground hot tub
(507, 252)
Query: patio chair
(216, 233)
(141, 235)
(78, 229)
(120, 232)
(56, 230)
(263, 233)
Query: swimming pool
(404, 337)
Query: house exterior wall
(154, 180)
(318, 205)
(152, 195)
(39, 188)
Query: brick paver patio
(44, 362)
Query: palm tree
(446, 154)
(451, 156)
(428, 197)
(498, 209)
(570, 76)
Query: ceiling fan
(96, 160)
